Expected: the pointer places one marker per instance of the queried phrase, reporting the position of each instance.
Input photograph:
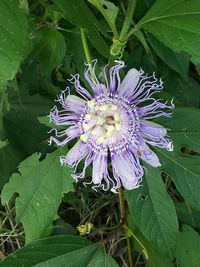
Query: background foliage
(43, 42)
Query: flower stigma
(102, 122)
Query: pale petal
(155, 135)
(149, 156)
(75, 104)
(69, 134)
(152, 129)
(124, 168)
(99, 167)
(129, 83)
(73, 131)
(75, 154)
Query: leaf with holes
(65, 251)
(154, 212)
(40, 186)
(176, 24)
(13, 37)
(108, 10)
(182, 167)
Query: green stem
(9, 235)
(130, 233)
(2, 100)
(117, 48)
(123, 220)
(108, 229)
(87, 52)
(132, 31)
(127, 21)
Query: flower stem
(87, 52)
(2, 100)
(117, 48)
(123, 220)
(128, 20)
(130, 233)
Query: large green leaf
(86, 20)
(177, 61)
(154, 257)
(13, 37)
(65, 251)
(154, 212)
(184, 168)
(141, 8)
(176, 24)
(49, 47)
(188, 248)
(75, 43)
(40, 186)
(36, 79)
(187, 93)
(20, 127)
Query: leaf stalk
(123, 222)
(87, 52)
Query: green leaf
(24, 5)
(141, 8)
(108, 10)
(187, 214)
(86, 20)
(62, 228)
(13, 37)
(176, 24)
(186, 92)
(154, 212)
(46, 121)
(3, 144)
(38, 80)
(188, 249)
(183, 168)
(20, 127)
(40, 186)
(177, 61)
(139, 34)
(157, 259)
(75, 42)
(154, 257)
(65, 251)
(49, 47)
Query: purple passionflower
(112, 125)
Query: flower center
(102, 123)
